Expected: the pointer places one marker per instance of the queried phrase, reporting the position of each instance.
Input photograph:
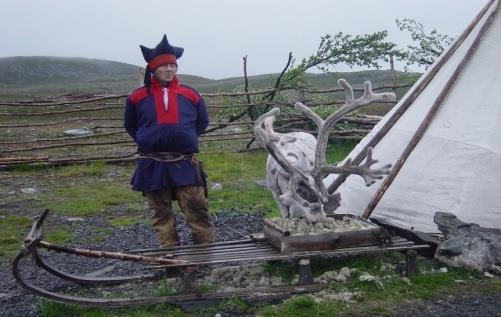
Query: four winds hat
(163, 53)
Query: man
(165, 119)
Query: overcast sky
(216, 34)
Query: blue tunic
(157, 128)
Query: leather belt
(168, 157)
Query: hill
(27, 76)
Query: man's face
(165, 73)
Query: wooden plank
(221, 259)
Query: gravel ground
(231, 225)
(458, 305)
(15, 301)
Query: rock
(345, 271)
(78, 132)
(406, 280)
(74, 219)
(216, 186)
(387, 267)
(261, 183)
(460, 281)
(2, 217)
(276, 281)
(345, 297)
(217, 315)
(330, 275)
(468, 252)
(467, 244)
(443, 270)
(236, 281)
(28, 190)
(341, 278)
(366, 277)
(112, 174)
(489, 275)
(329, 297)
(3, 295)
(495, 270)
(13, 192)
(264, 281)
(301, 226)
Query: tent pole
(408, 101)
(429, 116)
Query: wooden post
(305, 275)
(190, 278)
(140, 76)
(301, 98)
(393, 76)
(411, 268)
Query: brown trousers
(193, 204)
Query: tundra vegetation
(101, 190)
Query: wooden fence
(34, 132)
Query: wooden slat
(209, 250)
(256, 252)
(291, 256)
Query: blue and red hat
(163, 53)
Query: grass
(234, 306)
(237, 173)
(86, 194)
(167, 288)
(376, 301)
(97, 169)
(304, 305)
(285, 270)
(134, 206)
(125, 221)
(60, 235)
(52, 309)
(98, 235)
(13, 230)
(87, 199)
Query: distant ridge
(23, 76)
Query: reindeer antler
(321, 169)
(349, 105)
(309, 181)
(369, 175)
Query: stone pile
(300, 226)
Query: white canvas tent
(453, 115)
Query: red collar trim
(156, 84)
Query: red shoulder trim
(138, 94)
(189, 93)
